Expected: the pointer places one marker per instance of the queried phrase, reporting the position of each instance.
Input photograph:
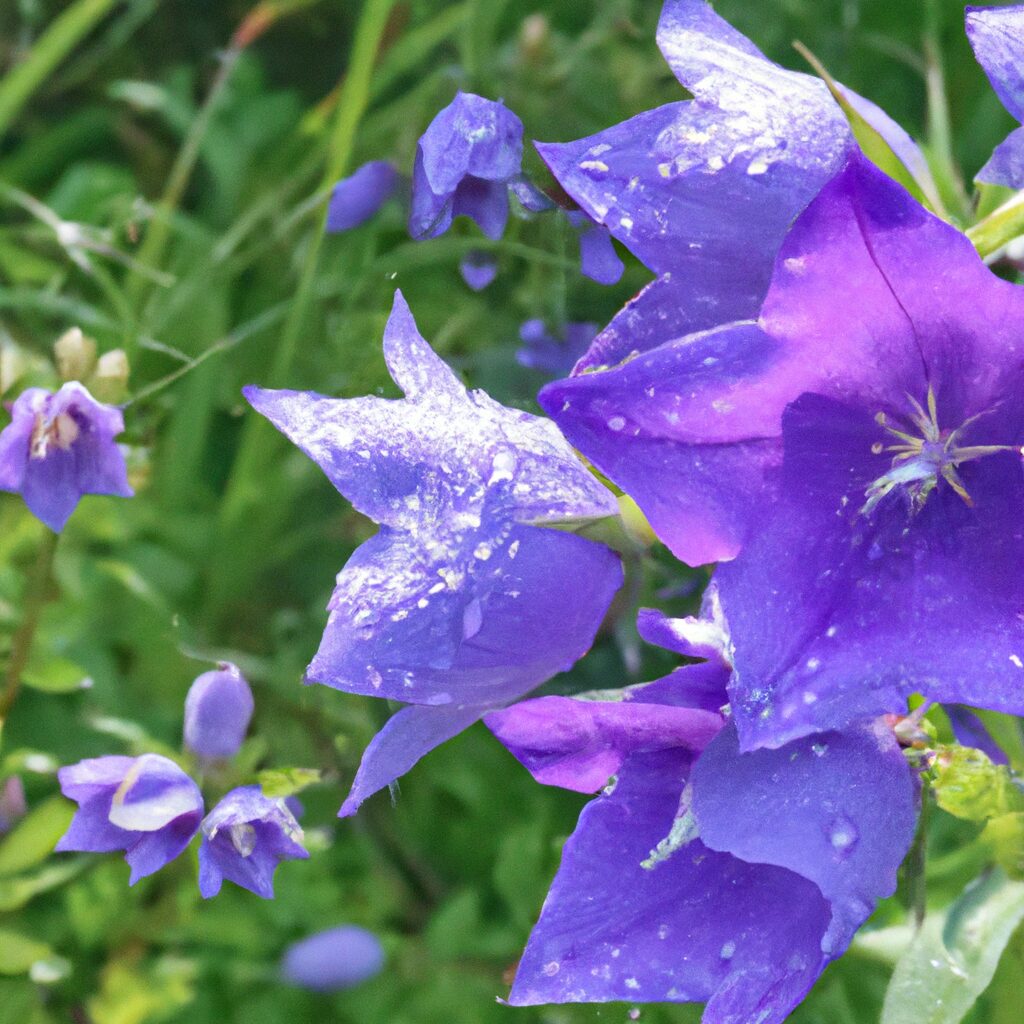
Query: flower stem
(35, 600)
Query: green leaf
(954, 956)
(969, 786)
(281, 782)
(53, 674)
(16, 892)
(18, 952)
(35, 836)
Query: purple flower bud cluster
(151, 808)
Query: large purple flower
(245, 837)
(146, 806)
(58, 447)
(997, 36)
(462, 601)
(862, 443)
(704, 874)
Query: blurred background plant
(164, 171)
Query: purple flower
(58, 447)
(542, 350)
(997, 36)
(478, 270)
(702, 873)
(245, 837)
(355, 199)
(332, 960)
(703, 191)
(598, 259)
(218, 708)
(861, 445)
(432, 611)
(146, 806)
(12, 803)
(465, 162)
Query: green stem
(999, 227)
(255, 453)
(35, 601)
(917, 886)
(59, 39)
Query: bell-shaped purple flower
(218, 708)
(703, 874)
(245, 837)
(355, 199)
(465, 162)
(332, 960)
(146, 806)
(58, 447)
(997, 36)
(433, 610)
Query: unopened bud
(110, 379)
(217, 712)
(75, 355)
(533, 37)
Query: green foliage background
(230, 549)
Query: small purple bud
(245, 837)
(146, 806)
(332, 960)
(58, 447)
(357, 198)
(218, 708)
(478, 269)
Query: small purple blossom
(332, 960)
(553, 354)
(598, 259)
(703, 874)
(997, 36)
(478, 269)
(433, 609)
(355, 199)
(218, 708)
(58, 447)
(12, 803)
(146, 806)
(245, 837)
(465, 161)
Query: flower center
(924, 453)
(60, 432)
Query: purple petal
(478, 270)
(398, 630)
(581, 744)
(355, 199)
(150, 851)
(543, 350)
(1006, 165)
(153, 793)
(838, 808)
(408, 735)
(697, 926)
(971, 731)
(218, 708)
(332, 960)
(997, 37)
(486, 202)
(598, 259)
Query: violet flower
(703, 191)
(12, 803)
(146, 806)
(218, 708)
(245, 837)
(355, 199)
(465, 161)
(862, 446)
(478, 269)
(545, 351)
(703, 874)
(58, 447)
(997, 36)
(433, 610)
(333, 960)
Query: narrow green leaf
(55, 675)
(34, 837)
(954, 956)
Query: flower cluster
(151, 808)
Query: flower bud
(75, 355)
(217, 712)
(12, 803)
(334, 959)
(110, 379)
